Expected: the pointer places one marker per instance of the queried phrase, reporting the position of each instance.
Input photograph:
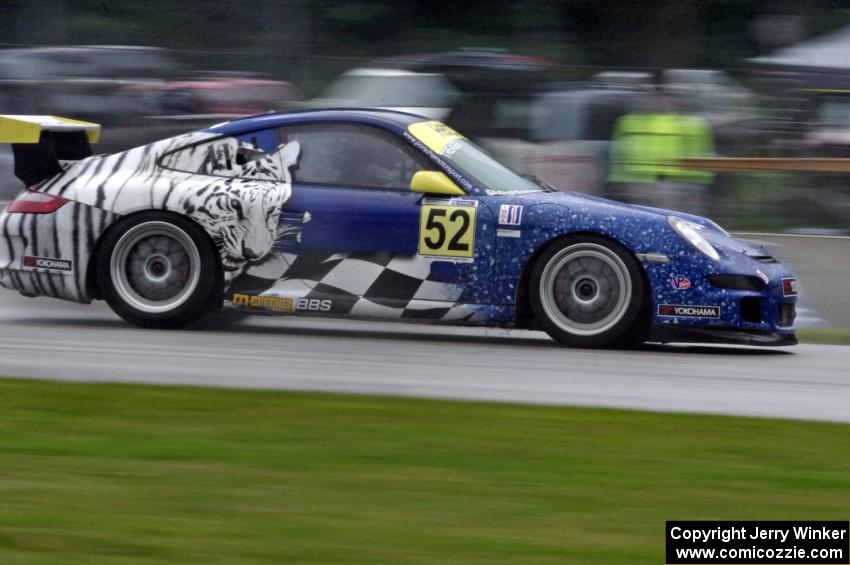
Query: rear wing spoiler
(40, 143)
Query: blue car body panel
(350, 219)
(365, 220)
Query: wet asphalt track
(56, 340)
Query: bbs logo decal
(684, 311)
(313, 305)
(48, 263)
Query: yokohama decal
(683, 311)
(48, 263)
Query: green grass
(112, 473)
(828, 336)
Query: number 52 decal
(447, 230)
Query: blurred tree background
(308, 42)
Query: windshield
(470, 160)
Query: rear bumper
(48, 254)
(668, 333)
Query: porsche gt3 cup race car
(367, 214)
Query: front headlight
(690, 233)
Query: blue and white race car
(367, 214)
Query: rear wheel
(159, 270)
(587, 291)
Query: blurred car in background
(224, 93)
(633, 80)
(427, 94)
(85, 81)
(727, 105)
(496, 88)
(484, 92)
(825, 130)
(131, 88)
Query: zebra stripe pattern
(239, 214)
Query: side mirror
(434, 182)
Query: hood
(713, 232)
(622, 213)
(584, 202)
(580, 201)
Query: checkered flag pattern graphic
(369, 284)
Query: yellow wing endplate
(27, 129)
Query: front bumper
(668, 333)
(744, 301)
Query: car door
(364, 240)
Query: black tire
(159, 270)
(588, 291)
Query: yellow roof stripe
(435, 135)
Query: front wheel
(587, 291)
(158, 270)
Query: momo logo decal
(680, 282)
(281, 304)
(48, 263)
(263, 302)
(447, 231)
(683, 311)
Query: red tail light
(31, 202)
(789, 287)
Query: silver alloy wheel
(585, 289)
(155, 267)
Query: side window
(231, 157)
(352, 155)
(265, 139)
